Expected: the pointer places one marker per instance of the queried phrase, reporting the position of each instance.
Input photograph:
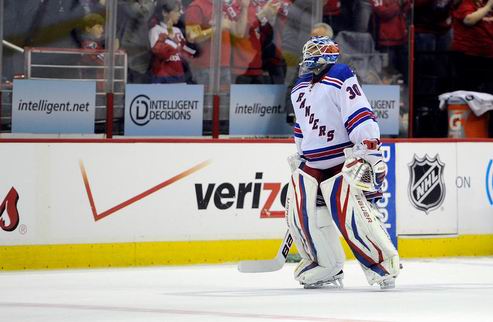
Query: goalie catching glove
(364, 167)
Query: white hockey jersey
(331, 115)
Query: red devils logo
(10, 204)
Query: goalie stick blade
(261, 266)
(268, 265)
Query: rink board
(95, 204)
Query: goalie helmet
(319, 52)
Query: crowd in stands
(169, 41)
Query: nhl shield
(426, 187)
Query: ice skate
(333, 282)
(385, 282)
(388, 283)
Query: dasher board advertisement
(474, 183)
(126, 192)
(53, 106)
(385, 103)
(386, 205)
(164, 110)
(258, 110)
(106, 193)
(426, 189)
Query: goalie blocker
(317, 239)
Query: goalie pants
(320, 176)
(316, 237)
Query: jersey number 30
(353, 91)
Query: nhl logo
(426, 187)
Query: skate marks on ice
(169, 313)
(438, 290)
(266, 292)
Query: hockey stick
(268, 265)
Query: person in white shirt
(340, 169)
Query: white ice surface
(458, 289)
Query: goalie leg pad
(313, 231)
(301, 193)
(362, 230)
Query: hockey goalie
(337, 174)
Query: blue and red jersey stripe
(297, 131)
(358, 117)
(332, 81)
(327, 153)
(300, 86)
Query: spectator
(168, 44)
(199, 31)
(133, 25)
(273, 16)
(246, 50)
(92, 37)
(332, 13)
(433, 24)
(338, 14)
(49, 23)
(391, 19)
(362, 10)
(322, 29)
(473, 43)
(432, 63)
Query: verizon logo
(223, 196)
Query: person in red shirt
(473, 28)
(199, 29)
(92, 36)
(246, 50)
(344, 15)
(168, 44)
(332, 11)
(391, 16)
(432, 64)
(433, 24)
(473, 44)
(246, 58)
